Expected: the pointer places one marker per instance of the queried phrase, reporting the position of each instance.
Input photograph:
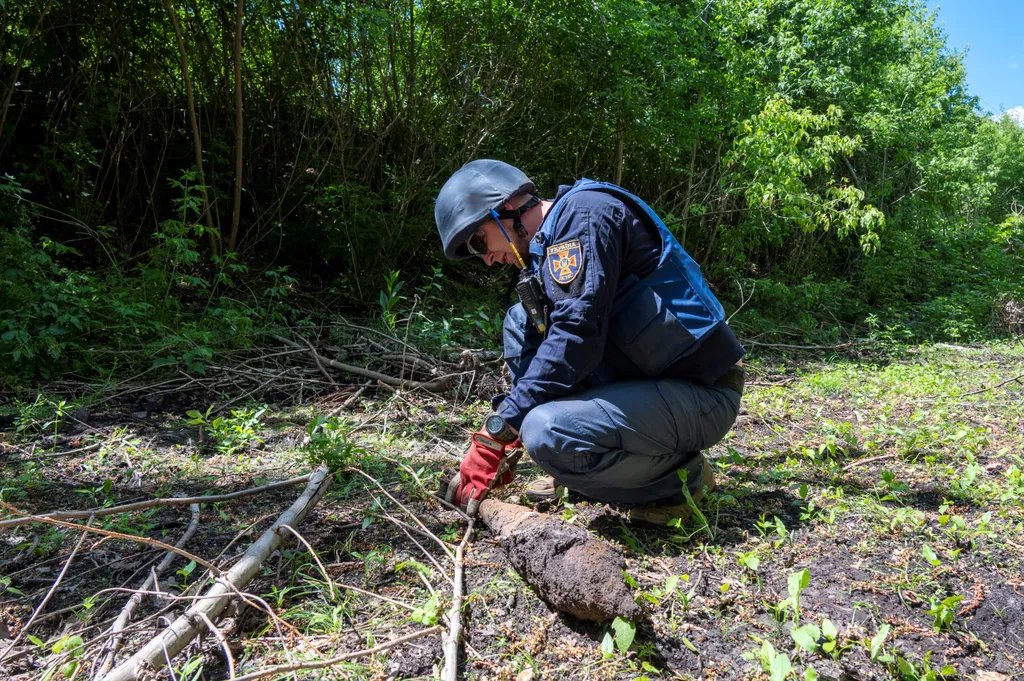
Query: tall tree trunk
(17, 67)
(236, 208)
(197, 140)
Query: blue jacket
(626, 301)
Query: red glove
(478, 469)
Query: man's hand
(479, 472)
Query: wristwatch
(497, 428)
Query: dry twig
(451, 640)
(439, 384)
(321, 664)
(49, 594)
(141, 505)
(117, 629)
(173, 640)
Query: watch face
(494, 424)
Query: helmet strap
(516, 214)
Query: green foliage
(389, 298)
(785, 160)
(171, 307)
(233, 433)
(797, 582)
(923, 671)
(777, 665)
(943, 611)
(70, 648)
(877, 641)
(827, 150)
(328, 443)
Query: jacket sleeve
(575, 343)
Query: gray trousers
(624, 442)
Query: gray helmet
(467, 198)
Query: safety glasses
(477, 244)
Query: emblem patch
(565, 260)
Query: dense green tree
(826, 148)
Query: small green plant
(192, 670)
(748, 560)
(777, 665)
(328, 443)
(71, 648)
(231, 433)
(774, 526)
(186, 572)
(427, 613)
(698, 515)
(874, 646)
(389, 298)
(908, 671)
(620, 636)
(943, 611)
(892, 485)
(797, 582)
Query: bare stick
(174, 639)
(405, 528)
(451, 641)
(319, 364)
(220, 639)
(116, 535)
(46, 598)
(371, 594)
(330, 582)
(320, 664)
(141, 505)
(997, 385)
(54, 455)
(117, 629)
(444, 547)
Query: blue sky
(994, 31)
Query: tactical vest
(657, 323)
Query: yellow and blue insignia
(565, 260)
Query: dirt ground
(896, 481)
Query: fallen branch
(319, 365)
(173, 640)
(997, 385)
(141, 505)
(472, 356)
(321, 664)
(53, 455)
(117, 629)
(212, 628)
(115, 535)
(451, 640)
(49, 594)
(436, 385)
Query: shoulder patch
(565, 260)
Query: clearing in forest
(867, 524)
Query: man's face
(499, 251)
